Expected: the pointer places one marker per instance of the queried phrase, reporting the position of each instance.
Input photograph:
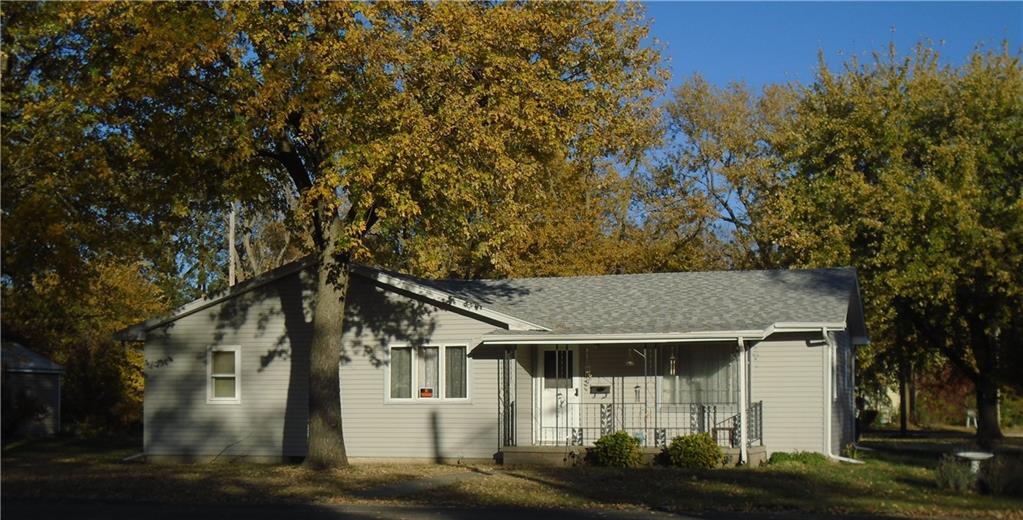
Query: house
(31, 388)
(521, 369)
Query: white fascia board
(446, 298)
(671, 337)
(611, 339)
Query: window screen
(428, 373)
(223, 374)
(454, 367)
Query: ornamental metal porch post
(743, 442)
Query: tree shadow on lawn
(721, 490)
(37, 474)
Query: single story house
(512, 369)
(31, 388)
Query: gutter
(540, 338)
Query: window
(222, 364)
(557, 368)
(428, 373)
(401, 373)
(454, 382)
(428, 363)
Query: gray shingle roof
(667, 302)
(15, 357)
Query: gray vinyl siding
(376, 427)
(788, 376)
(526, 371)
(843, 406)
(40, 390)
(272, 326)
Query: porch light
(671, 364)
(629, 362)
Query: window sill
(223, 401)
(427, 402)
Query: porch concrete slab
(543, 455)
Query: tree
(721, 169)
(392, 119)
(74, 325)
(913, 172)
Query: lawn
(893, 482)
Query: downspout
(743, 435)
(830, 346)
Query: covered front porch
(554, 398)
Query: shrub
(850, 451)
(809, 458)
(1003, 475)
(695, 451)
(617, 450)
(953, 474)
(865, 420)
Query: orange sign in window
(425, 392)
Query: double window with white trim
(428, 373)
(222, 374)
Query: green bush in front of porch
(616, 450)
(695, 451)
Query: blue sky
(761, 43)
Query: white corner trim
(445, 298)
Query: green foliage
(850, 451)
(74, 326)
(616, 450)
(720, 167)
(809, 458)
(954, 475)
(911, 172)
(1003, 475)
(695, 451)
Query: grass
(879, 487)
(73, 470)
(893, 482)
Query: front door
(559, 395)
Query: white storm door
(559, 394)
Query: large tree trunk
(988, 428)
(914, 415)
(903, 397)
(326, 440)
(986, 384)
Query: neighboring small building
(515, 369)
(31, 387)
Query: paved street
(100, 511)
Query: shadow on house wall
(276, 317)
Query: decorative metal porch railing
(653, 425)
